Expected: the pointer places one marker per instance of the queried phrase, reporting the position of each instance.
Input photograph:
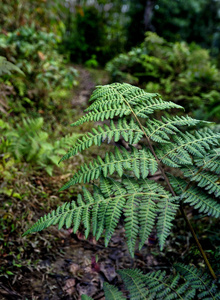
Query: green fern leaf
(139, 161)
(122, 100)
(167, 208)
(6, 67)
(195, 197)
(204, 179)
(143, 111)
(198, 280)
(136, 200)
(147, 215)
(108, 112)
(211, 161)
(129, 131)
(155, 285)
(112, 293)
(159, 131)
(188, 144)
(134, 283)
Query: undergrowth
(183, 72)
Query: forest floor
(59, 264)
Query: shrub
(179, 71)
(35, 53)
(29, 143)
(163, 144)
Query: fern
(6, 67)
(199, 280)
(187, 283)
(141, 201)
(102, 210)
(141, 162)
(112, 293)
(207, 180)
(129, 131)
(133, 193)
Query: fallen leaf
(74, 268)
(69, 287)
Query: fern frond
(188, 283)
(142, 110)
(205, 179)
(147, 215)
(133, 280)
(141, 201)
(155, 285)
(111, 93)
(141, 162)
(199, 280)
(132, 214)
(167, 209)
(201, 201)
(121, 100)
(112, 293)
(6, 67)
(186, 144)
(159, 131)
(211, 161)
(107, 112)
(135, 199)
(129, 131)
(195, 197)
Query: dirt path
(84, 89)
(88, 81)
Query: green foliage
(29, 142)
(35, 52)
(94, 31)
(177, 70)
(143, 202)
(187, 283)
(112, 293)
(85, 297)
(191, 21)
(87, 34)
(6, 67)
(43, 14)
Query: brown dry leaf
(74, 268)
(69, 287)
(108, 270)
(87, 289)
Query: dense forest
(109, 149)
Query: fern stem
(197, 242)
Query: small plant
(29, 142)
(153, 144)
